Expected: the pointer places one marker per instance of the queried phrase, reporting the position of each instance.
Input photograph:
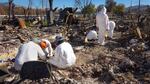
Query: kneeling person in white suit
(63, 55)
(32, 51)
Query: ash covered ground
(118, 62)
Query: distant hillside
(19, 10)
(4, 4)
(135, 8)
(3, 8)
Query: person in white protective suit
(32, 51)
(63, 55)
(111, 29)
(102, 25)
(91, 36)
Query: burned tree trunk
(67, 16)
(24, 11)
(13, 11)
(48, 16)
(37, 12)
(29, 9)
(42, 12)
(10, 8)
(50, 13)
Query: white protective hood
(103, 10)
(28, 52)
(64, 56)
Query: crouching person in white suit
(91, 36)
(32, 51)
(63, 55)
(111, 29)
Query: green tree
(110, 5)
(119, 9)
(89, 9)
(82, 3)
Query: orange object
(43, 44)
(21, 23)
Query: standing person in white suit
(102, 25)
(111, 29)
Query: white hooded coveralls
(92, 35)
(28, 52)
(63, 56)
(102, 24)
(111, 28)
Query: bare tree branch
(82, 3)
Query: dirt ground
(111, 63)
(114, 63)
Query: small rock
(9, 79)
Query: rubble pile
(116, 66)
(124, 59)
(12, 37)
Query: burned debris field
(124, 59)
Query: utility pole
(29, 8)
(42, 4)
(139, 11)
(139, 5)
(42, 14)
(51, 11)
(130, 7)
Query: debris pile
(124, 59)
(12, 37)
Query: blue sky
(70, 3)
